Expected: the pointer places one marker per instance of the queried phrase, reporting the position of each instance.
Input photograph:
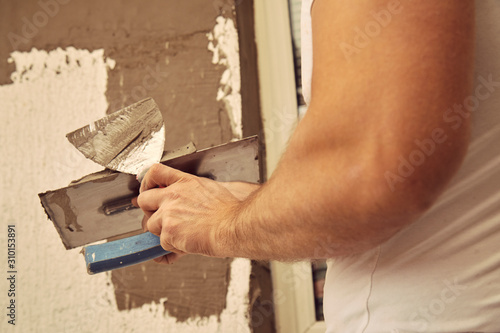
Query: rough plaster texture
(224, 45)
(160, 49)
(51, 93)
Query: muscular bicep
(386, 75)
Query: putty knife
(126, 140)
(98, 206)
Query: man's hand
(189, 213)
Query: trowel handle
(122, 253)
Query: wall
(65, 63)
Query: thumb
(160, 175)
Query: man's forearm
(323, 203)
(329, 195)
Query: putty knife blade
(126, 140)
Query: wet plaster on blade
(224, 44)
(87, 198)
(61, 200)
(142, 156)
(96, 177)
(126, 140)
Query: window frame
(293, 288)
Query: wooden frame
(292, 283)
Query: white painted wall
(53, 291)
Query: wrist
(227, 236)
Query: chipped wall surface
(160, 48)
(224, 45)
(71, 62)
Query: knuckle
(172, 194)
(141, 200)
(156, 168)
(188, 178)
(165, 241)
(169, 230)
(153, 173)
(152, 229)
(199, 180)
(153, 225)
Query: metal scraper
(126, 140)
(79, 210)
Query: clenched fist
(191, 214)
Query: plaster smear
(233, 319)
(51, 93)
(143, 156)
(126, 140)
(223, 42)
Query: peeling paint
(224, 43)
(38, 64)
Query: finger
(150, 201)
(153, 225)
(134, 202)
(162, 260)
(161, 175)
(173, 257)
(142, 172)
(169, 258)
(144, 223)
(167, 246)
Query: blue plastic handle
(122, 253)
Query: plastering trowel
(97, 207)
(235, 161)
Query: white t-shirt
(442, 273)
